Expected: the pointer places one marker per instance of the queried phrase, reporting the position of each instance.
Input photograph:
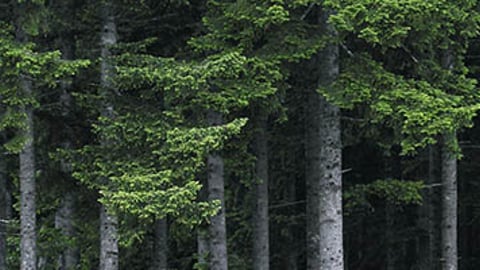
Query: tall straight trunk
(108, 221)
(449, 203)
(27, 190)
(216, 187)
(203, 246)
(391, 250)
(261, 254)
(427, 246)
(160, 246)
(449, 189)
(64, 217)
(323, 168)
(108, 240)
(64, 221)
(28, 237)
(4, 212)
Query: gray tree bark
(216, 187)
(449, 204)
(261, 254)
(64, 221)
(203, 246)
(449, 189)
(160, 247)
(323, 168)
(4, 212)
(28, 255)
(108, 240)
(427, 258)
(108, 221)
(27, 190)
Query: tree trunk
(426, 222)
(108, 221)
(160, 250)
(108, 240)
(27, 190)
(449, 203)
(216, 186)
(28, 255)
(64, 221)
(64, 217)
(4, 212)
(203, 246)
(261, 254)
(323, 168)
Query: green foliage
(394, 191)
(417, 109)
(159, 176)
(390, 23)
(22, 63)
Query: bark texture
(4, 212)
(160, 245)
(323, 168)
(27, 191)
(449, 189)
(216, 187)
(427, 222)
(108, 240)
(64, 221)
(108, 221)
(261, 252)
(449, 204)
(28, 238)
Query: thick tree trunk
(108, 221)
(261, 254)
(323, 168)
(216, 186)
(449, 203)
(160, 247)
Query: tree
(108, 220)
(261, 247)
(323, 157)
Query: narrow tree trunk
(108, 221)
(64, 217)
(28, 255)
(389, 237)
(323, 169)
(217, 228)
(160, 247)
(449, 203)
(27, 191)
(203, 246)
(64, 221)
(261, 254)
(4, 212)
(108, 240)
(426, 242)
